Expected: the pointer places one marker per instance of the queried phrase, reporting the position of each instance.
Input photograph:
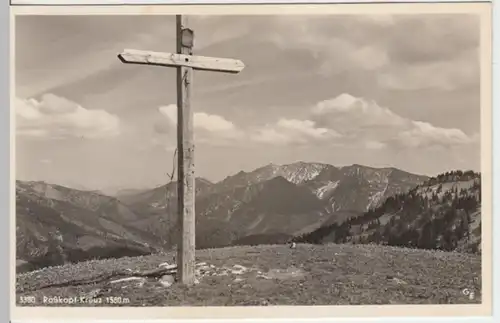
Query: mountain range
(271, 204)
(251, 203)
(442, 213)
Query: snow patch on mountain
(296, 173)
(326, 189)
(377, 198)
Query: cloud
(333, 51)
(458, 72)
(292, 131)
(442, 52)
(345, 110)
(213, 123)
(208, 128)
(345, 120)
(424, 134)
(375, 145)
(56, 117)
(349, 120)
(362, 121)
(434, 37)
(201, 120)
(216, 130)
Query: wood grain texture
(186, 170)
(201, 63)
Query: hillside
(222, 217)
(442, 213)
(267, 275)
(107, 206)
(274, 206)
(359, 188)
(154, 200)
(268, 205)
(252, 203)
(55, 225)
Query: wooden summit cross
(185, 62)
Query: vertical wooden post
(185, 62)
(185, 144)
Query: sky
(378, 90)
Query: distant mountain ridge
(251, 203)
(336, 185)
(91, 200)
(55, 225)
(296, 173)
(270, 204)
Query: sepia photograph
(203, 158)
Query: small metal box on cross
(187, 38)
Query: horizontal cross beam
(226, 65)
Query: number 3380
(27, 299)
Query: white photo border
(6, 174)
